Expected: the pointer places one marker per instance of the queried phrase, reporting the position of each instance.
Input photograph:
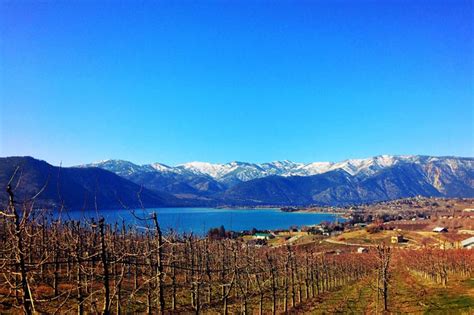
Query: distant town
(417, 222)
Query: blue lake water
(200, 220)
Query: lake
(200, 220)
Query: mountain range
(251, 184)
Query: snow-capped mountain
(274, 183)
(234, 172)
(356, 166)
(120, 167)
(159, 167)
(205, 168)
(248, 171)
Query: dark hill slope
(296, 190)
(74, 187)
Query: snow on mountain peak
(243, 171)
(161, 167)
(119, 167)
(206, 168)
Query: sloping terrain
(74, 187)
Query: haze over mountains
(117, 183)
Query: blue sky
(235, 80)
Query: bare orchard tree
(93, 266)
(383, 273)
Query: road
(348, 244)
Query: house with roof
(468, 243)
(263, 236)
(397, 239)
(450, 240)
(362, 250)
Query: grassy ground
(351, 299)
(412, 294)
(408, 294)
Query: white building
(263, 236)
(468, 243)
(362, 250)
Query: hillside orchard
(93, 266)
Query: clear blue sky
(235, 80)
